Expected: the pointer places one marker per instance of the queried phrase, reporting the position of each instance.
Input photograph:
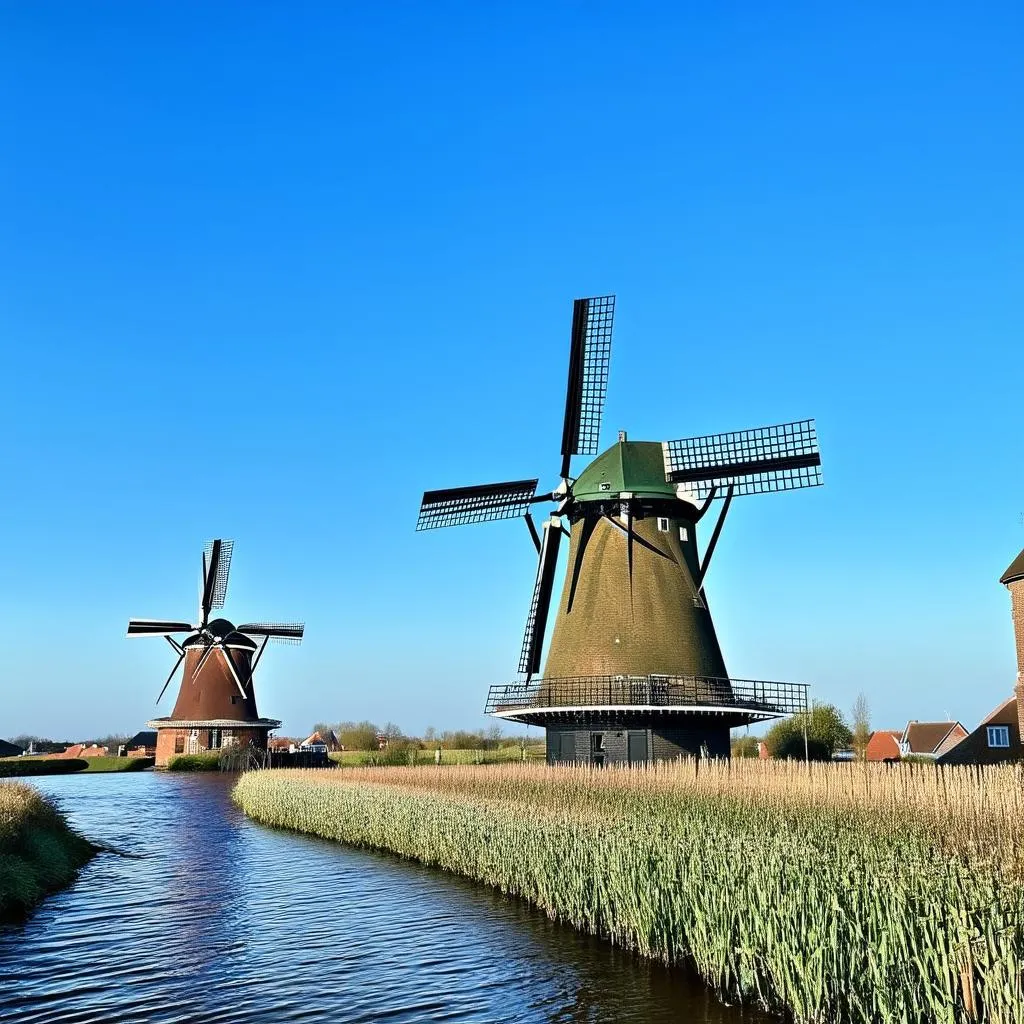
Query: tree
(824, 724)
(430, 736)
(745, 746)
(792, 749)
(358, 735)
(861, 716)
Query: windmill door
(192, 743)
(636, 748)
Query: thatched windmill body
(634, 670)
(216, 702)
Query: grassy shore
(39, 853)
(20, 767)
(499, 755)
(847, 893)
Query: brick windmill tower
(634, 671)
(216, 705)
(1013, 579)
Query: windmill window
(683, 533)
(998, 735)
(604, 485)
(179, 744)
(663, 524)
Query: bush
(746, 746)
(792, 749)
(18, 767)
(207, 762)
(824, 724)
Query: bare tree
(861, 715)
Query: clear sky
(270, 270)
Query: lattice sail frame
(460, 505)
(781, 457)
(220, 586)
(589, 358)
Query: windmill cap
(631, 467)
(1015, 571)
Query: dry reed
(837, 893)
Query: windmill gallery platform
(634, 671)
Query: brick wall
(170, 742)
(1016, 589)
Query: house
(930, 739)
(1000, 736)
(10, 749)
(142, 744)
(80, 750)
(319, 742)
(997, 738)
(282, 745)
(884, 745)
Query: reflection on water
(215, 919)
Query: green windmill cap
(634, 467)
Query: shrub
(18, 767)
(205, 762)
(824, 724)
(791, 748)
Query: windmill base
(604, 741)
(174, 738)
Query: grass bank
(499, 755)
(847, 893)
(39, 853)
(21, 767)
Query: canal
(206, 917)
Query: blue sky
(271, 270)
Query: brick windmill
(216, 705)
(634, 671)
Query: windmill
(216, 703)
(634, 671)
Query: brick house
(884, 745)
(930, 739)
(1000, 736)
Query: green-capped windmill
(634, 671)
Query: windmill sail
(460, 505)
(776, 458)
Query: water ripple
(211, 918)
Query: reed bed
(38, 851)
(839, 893)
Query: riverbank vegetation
(39, 853)
(22, 767)
(205, 762)
(847, 893)
(403, 752)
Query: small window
(597, 742)
(684, 534)
(663, 524)
(998, 735)
(604, 485)
(179, 744)
(214, 739)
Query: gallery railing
(649, 691)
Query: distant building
(81, 750)
(142, 744)
(322, 743)
(282, 745)
(884, 745)
(10, 749)
(930, 739)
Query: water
(211, 918)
